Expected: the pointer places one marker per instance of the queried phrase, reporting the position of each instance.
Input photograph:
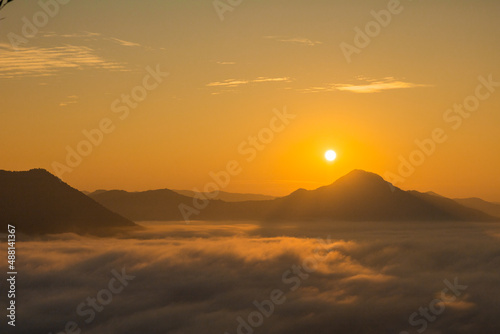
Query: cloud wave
(201, 278)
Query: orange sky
(226, 78)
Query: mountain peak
(360, 179)
(35, 173)
(36, 201)
(359, 173)
(357, 196)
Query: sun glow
(330, 155)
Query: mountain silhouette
(36, 201)
(357, 196)
(490, 208)
(227, 196)
(162, 204)
(365, 196)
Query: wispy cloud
(238, 82)
(228, 83)
(264, 79)
(92, 36)
(40, 62)
(368, 86)
(83, 34)
(124, 43)
(72, 99)
(226, 63)
(296, 40)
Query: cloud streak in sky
(41, 62)
(370, 86)
(91, 36)
(71, 99)
(124, 43)
(240, 82)
(72, 52)
(295, 40)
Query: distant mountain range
(159, 204)
(490, 208)
(227, 197)
(358, 196)
(35, 201)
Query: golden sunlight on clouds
(236, 82)
(296, 40)
(124, 43)
(217, 271)
(39, 62)
(373, 86)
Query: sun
(330, 155)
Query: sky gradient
(229, 79)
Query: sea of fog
(251, 277)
